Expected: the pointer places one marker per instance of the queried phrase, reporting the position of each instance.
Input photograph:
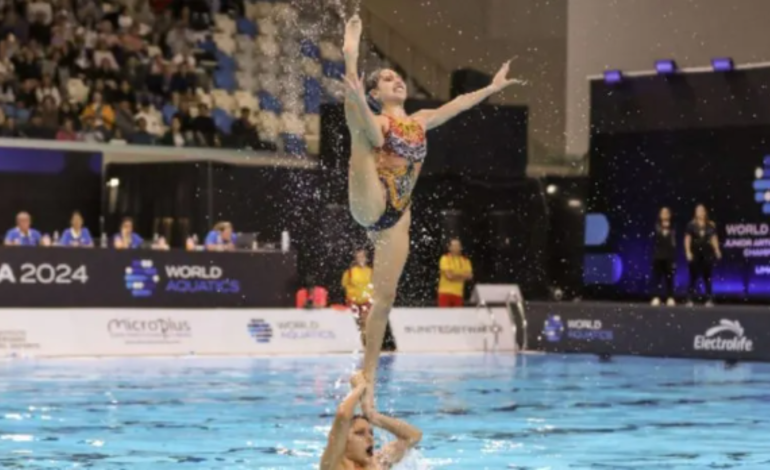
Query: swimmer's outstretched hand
(501, 80)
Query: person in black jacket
(664, 257)
(701, 246)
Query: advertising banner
(163, 332)
(37, 333)
(65, 277)
(723, 332)
(452, 330)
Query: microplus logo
(727, 336)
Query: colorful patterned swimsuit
(405, 139)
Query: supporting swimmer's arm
(408, 437)
(338, 436)
(433, 118)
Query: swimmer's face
(360, 448)
(390, 88)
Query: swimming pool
(477, 412)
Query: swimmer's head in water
(385, 86)
(360, 447)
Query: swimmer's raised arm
(408, 436)
(432, 118)
(335, 448)
(360, 119)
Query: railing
(149, 153)
(421, 67)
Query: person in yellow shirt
(455, 270)
(357, 282)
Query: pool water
(476, 411)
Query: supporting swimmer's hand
(353, 29)
(357, 379)
(501, 80)
(367, 402)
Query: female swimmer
(351, 439)
(387, 152)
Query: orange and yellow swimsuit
(405, 139)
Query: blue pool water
(476, 411)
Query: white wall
(632, 34)
(482, 34)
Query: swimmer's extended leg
(391, 249)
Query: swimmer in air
(388, 148)
(351, 439)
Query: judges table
(68, 277)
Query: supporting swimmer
(351, 443)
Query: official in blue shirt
(23, 234)
(77, 235)
(221, 238)
(127, 239)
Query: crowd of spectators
(110, 71)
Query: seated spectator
(141, 136)
(127, 239)
(244, 133)
(124, 118)
(26, 65)
(26, 94)
(39, 30)
(203, 127)
(106, 72)
(151, 118)
(221, 238)
(36, 130)
(131, 40)
(40, 9)
(77, 235)
(117, 138)
(50, 113)
(103, 55)
(23, 234)
(48, 89)
(7, 91)
(14, 24)
(174, 137)
(67, 111)
(124, 93)
(93, 131)
(180, 39)
(184, 116)
(67, 132)
(9, 128)
(183, 79)
(100, 110)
